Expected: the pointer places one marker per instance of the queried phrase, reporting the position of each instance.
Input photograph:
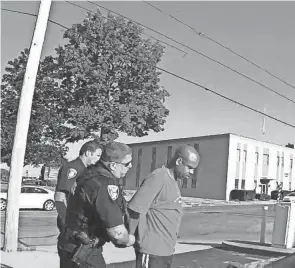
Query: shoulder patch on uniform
(113, 191)
(72, 173)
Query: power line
(218, 43)
(200, 53)
(187, 80)
(33, 15)
(88, 10)
(224, 97)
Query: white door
(263, 188)
(25, 201)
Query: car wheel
(3, 204)
(48, 205)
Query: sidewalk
(250, 247)
(46, 257)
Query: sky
(262, 32)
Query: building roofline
(179, 139)
(203, 136)
(260, 140)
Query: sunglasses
(124, 164)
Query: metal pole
(21, 130)
(263, 224)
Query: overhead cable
(182, 78)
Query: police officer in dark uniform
(95, 212)
(89, 154)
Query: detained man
(155, 210)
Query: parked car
(262, 197)
(34, 182)
(289, 198)
(32, 197)
(275, 193)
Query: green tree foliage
(4, 175)
(104, 80)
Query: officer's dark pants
(91, 259)
(64, 256)
(153, 261)
(66, 259)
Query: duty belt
(82, 238)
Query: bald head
(188, 154)
(185, 160)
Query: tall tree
(40, 149)
(104, 80)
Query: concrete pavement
(47, 257)
(186, 251)
(250, 246)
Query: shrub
(242, 195)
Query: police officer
(96, 210)
(89, 154)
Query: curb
(21, 247)
(252, 248)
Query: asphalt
(189, 252)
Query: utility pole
(263, 130)
(21, 130)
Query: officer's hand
(95, 242)
(84, 239)
(131, 240)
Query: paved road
(226, 222)
(203, 223)
(210, 225)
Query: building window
(124, 181)
(255, 185)
(138, 167)
(184, 183)
(154, 159)
(169, 154)
(243, 184)
(194, 181)
(278, 161)
(195, 175)
(291, 163)
(265, 159)
(236, 183)
(257, 157)
(282, 161)
(196, 146)
(238, 155)
(290, 186)
(245, 156)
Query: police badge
(113, 191)
(72, 173)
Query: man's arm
(120, 236)
(133, 220)
(111, 215)
(61, 204)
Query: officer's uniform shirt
(66, 182)
(67, 175)
(98, 199)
